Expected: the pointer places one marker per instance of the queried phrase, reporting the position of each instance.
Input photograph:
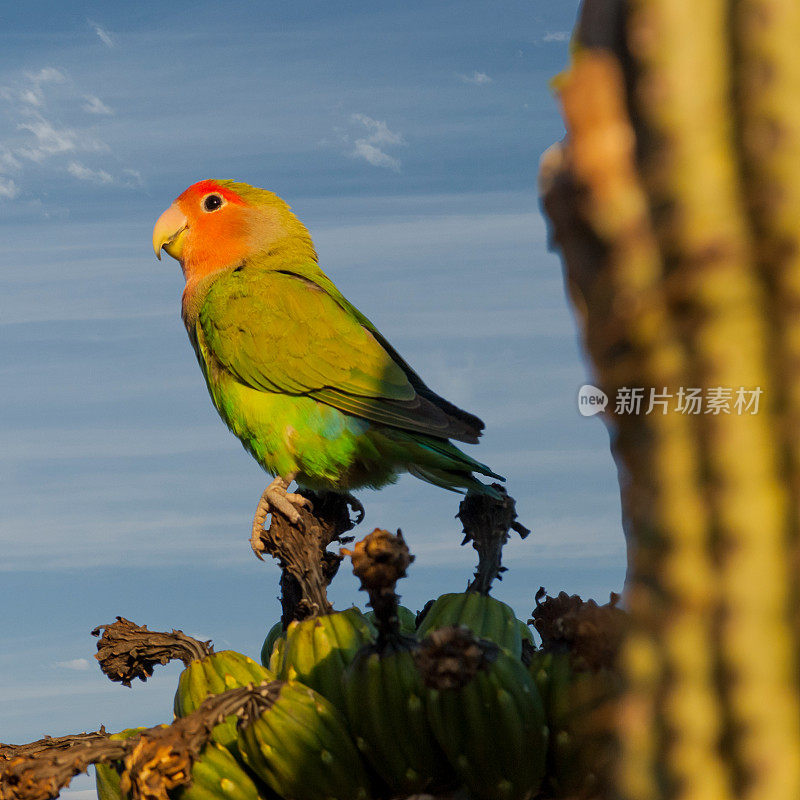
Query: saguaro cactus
(675, 200)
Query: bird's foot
(276, 499)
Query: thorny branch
(156, 761)
(53, 744)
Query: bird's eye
(212, 202)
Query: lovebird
(312, 389)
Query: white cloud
(374, 155)
(32, 94)
(8, 188)
(7, 160)
(31, 97)
(42, 120)
(94, 105)
(47, 75)
(105, 36)
(133, 177)
(49, 139)
(379, 131)
(84, 173)
(77, 664)
(378, 135)
(556, 36)
(477, 78)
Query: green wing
(283, 332)
(465, 426)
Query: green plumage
(312, 389)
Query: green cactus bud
(385, 698)
(301, 748)
(215, 674)
(319, 649)
(575, 700)
(486, 714)
(273, 635)
(107, 776)
(485, 616)
(216, 774)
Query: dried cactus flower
(450, 657)
(127, 651)
(591, 633)
(160, 761)
(380, 559)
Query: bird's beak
(169, 233)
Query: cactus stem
(307, 568)
(487, 523)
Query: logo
(591, 400)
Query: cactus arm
(691, 168)
(766, 33)
(631, 337)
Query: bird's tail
(441, 463)
(455, 459)
(453, 480)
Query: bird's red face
(207, 228)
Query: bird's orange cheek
(202, 256)
(213, 245)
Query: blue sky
(406, 136)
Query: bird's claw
(276, 499)
(257, 547)
(295, 501)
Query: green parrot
(309, 385)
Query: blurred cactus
(575, 673)
(675, 200)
